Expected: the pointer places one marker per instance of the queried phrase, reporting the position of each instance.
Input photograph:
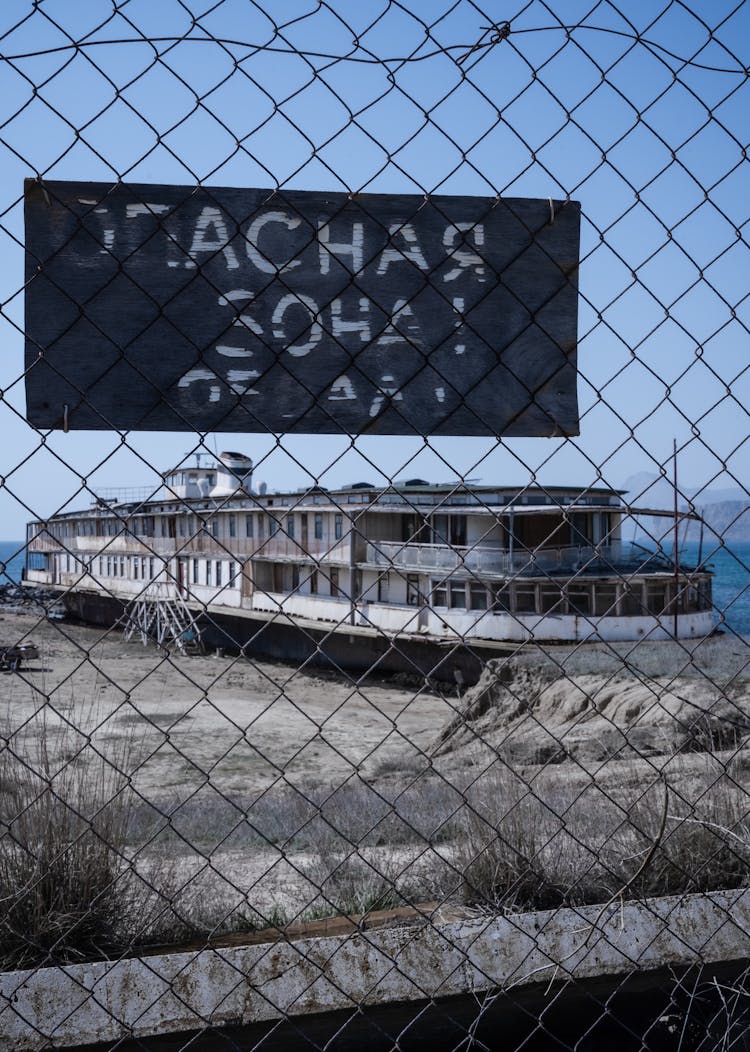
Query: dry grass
(351, 884)
(74, 884)
(525, 848)
(300, 819)
(68, 887)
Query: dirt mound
(531, 715)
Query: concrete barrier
(422, 958)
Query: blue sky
(647, 134)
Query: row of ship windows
(210, 572)
(213, 573)
(586, 598)
(258, 524)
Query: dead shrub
(538, 847)
(68, 887)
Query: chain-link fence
(422, 717)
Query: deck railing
(571, 558)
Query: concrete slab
(171, 993)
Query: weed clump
(69, 889)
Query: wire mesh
(401, 738)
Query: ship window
(318, 526)
(122, 566)
(412, 589)
(501, 602)
(295, 577)
(290, 525)
(208, 571)
(338, 520)
(135, 569)
(656, 597)
(580, 529)
(525, 596)
(260, 526)
(706, 594)
(605, 599)
(439, 529)
(211, 478)
(631, 603)
(458, 530)
(273, 526)
(439, 593)
(232, 572)
(232, 525)
(314, 582)
(195, 571)
(677, 605)
(457, 593)
(334, 582)
(384, 587)
(218, 572)
(551, 599)
(477, 596)
(704, 602)
(213, 528)
(579, 597)
(248, 525)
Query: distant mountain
(728, 519)
(725, 510)
(654, 491)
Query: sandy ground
(232, 759)
(204, 738)
(242, 724)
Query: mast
(676, 538)
(700, 542)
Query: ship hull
(348, 649)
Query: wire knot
(499, 31)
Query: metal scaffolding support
(160, 614)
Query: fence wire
(379, 739)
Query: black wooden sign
(178, 308)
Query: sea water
(730, 564)
(12, 559)
(731, 584)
